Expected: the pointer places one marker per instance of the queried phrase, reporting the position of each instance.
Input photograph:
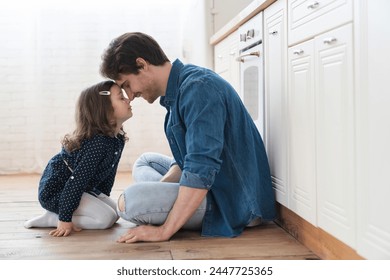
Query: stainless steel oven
(251, 61)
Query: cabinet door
(225, 64)
(221, 58)
(275, 60)
(234, 65)
(301, 117)
(335, 132)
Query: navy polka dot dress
(90, 169)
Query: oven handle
(241, 57)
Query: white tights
(93, 213)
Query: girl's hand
(64, 229)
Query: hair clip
(104, 92)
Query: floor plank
(18, 202)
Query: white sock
(48, 219)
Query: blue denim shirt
(218, 147)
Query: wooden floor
(18, 202)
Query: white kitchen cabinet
(372, 131)
(321, 116)
(327, 133)
(225, 63)
(342, 69)
(335, 133)
(321, 131)
(301, 123)
(275, 63)
(306, 18)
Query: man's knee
(143, 159)
(129, 210)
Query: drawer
(308, 18)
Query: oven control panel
(251, 32)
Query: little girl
(76, 183)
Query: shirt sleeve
(106, 185)
(90, 156)
(204, 113)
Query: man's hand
(64, 229)
(144, 233)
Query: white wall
(197, 28)
(225, 10)
(50, 52)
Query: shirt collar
(173, 84)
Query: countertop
(251, 10)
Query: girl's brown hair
(94, 115)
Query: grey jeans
(149, 201)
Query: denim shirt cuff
(173, 162)
(193, 180)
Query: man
(219, 181)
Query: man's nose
(130, 95)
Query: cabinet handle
(241, 57)
(273, 32)
(330, 40)
(298, 52)
(313, 5)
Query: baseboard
(321, 243)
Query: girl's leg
(93, 213)
(150, 203)
(151, 167)
(48, 219)
(107, 200)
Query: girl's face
(121, 105)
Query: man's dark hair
(120, 56)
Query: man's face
(139, 85)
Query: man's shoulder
(191, 73)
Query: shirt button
(72, 177)
(116, 153)
(112, 165)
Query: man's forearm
(173, 175)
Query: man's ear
(141, 63)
